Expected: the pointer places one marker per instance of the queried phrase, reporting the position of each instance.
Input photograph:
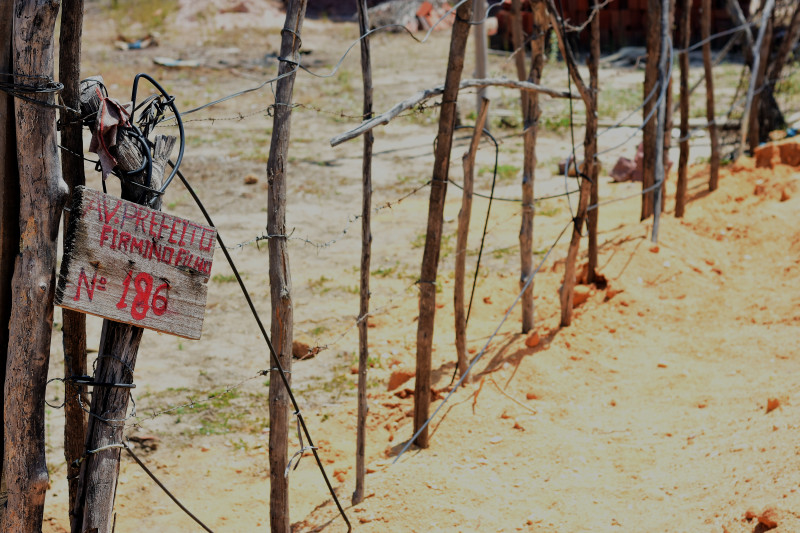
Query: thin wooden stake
(280, 279)
(433, 237)
(41, 199)
(366, 253)
(530, 117)
(683, 161)
(567, 288)
(73, 328)
(481, 48)
(592, 167)
(767, 7)
(650, 81)
(468, 163)
(663, 83)
(705, 29)
(754, 130)
(517, 37)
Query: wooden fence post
(280, 280)
(42, 196)
(468, 163)
(766, 11)
(366, 253)
(754, 130)
(566, 291)
(73, 328)
(116, 360)
(705, 32)
(650, 82)
(530, 117)
(594, 197)
(433, 237)
(683, 161)
(481, 49)
(661, 115)
(9, 209)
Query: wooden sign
(129, 263)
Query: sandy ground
(648, 414)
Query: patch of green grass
(319, 286)
(614, 102)
(385, 272)
(504, 172)
(223, 278)
(150, 14)
(319, 330)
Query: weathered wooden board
(129, 263)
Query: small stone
(785, 195)
(365, 519)
(487, 300)
(769, 518)
(772, 404)
(250, 179)
(518, 426)
(495, 440)
(532, 396)
(533, 340)
(654, 249)
(399, 377)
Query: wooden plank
(132, 264)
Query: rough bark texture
(650, 81)
(592, 168)
(42, 196)
(567, 288)
(705, 29)
(280, 279)
(531, 112)
(366, 254)
(9, 208)
(433, 237)
(683, 160)
(464, 215)
(517, 36)
(73, 323)
(119, 346)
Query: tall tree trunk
(650, 81)
(42, 196)
(9, 208)
(705, 28)
(591, 116)
(433, 237)
(567, 288)
(366, 253)
(531, 112)
(74, 323)
(280, 280)
(683, 161)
